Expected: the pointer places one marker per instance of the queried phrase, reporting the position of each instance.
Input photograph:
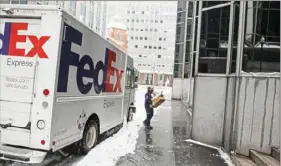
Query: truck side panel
(90, 80)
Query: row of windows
(159, 56)
(145, 38)
(142, 20)
(151, 65)
(133, 12)
(150, 47)
(151, 30)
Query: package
(158, 101)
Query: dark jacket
(148, 100)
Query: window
(145, 29)
(163, 65)
(154, 47)
(129, 78)
(159, 47)
(150, 47)
(160, 38)
(141, 29)
(145, 46)
(128, 20)
(136, 38)
(136, 46)
(140, 55)
(128, 12)
(132, 29)
(151, 21)
(155, 30)
(137, 29)
(151, 30)
(164, 39)
(159, 56)
(133, 20)
(132, 37)
(145, 38)
(156, 21)
(133, 12)
(161, 21)
(141, 38)
(142, 12)
(137, 20)
(142, 20)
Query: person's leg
(147, 117)
(150, 115)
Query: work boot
(149, 127)
(144, 123)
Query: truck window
(129, 75)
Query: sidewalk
(166, 144)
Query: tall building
(218, 42)
(151, 37)
(91, 13)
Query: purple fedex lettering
(70, 58)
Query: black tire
(84, 145)
(130, 115)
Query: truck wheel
(90, 137)
(130, 115)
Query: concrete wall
(257, 115)
(176, 92)
(208, 109)
(182, 90)
(250, 122)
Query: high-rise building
(91, 13)
(151, 37)
(215, 49)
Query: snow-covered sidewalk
(110, 150)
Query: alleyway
(166, 144)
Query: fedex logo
(10, 38)
(86, 67)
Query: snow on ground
(124, 142)
(222, 153)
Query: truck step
(262, 159)
(240, 160)
(275, 153)
(21, 154)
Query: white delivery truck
(61, 84)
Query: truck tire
(90, 137)
(130, 115)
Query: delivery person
(148, 108)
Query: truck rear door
(18, 61)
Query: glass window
(136, 46)
(159, 56)
(178, 70)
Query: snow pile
(124, 142)
(222, 153)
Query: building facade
(151, 37)
(261, 48)
(91, 13)
(117, 33)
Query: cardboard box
(158, 101)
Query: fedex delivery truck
(61, 84)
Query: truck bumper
(21, 155)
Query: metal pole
(184, 39)
(240, 42)
(230, 37)
(198, 37)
